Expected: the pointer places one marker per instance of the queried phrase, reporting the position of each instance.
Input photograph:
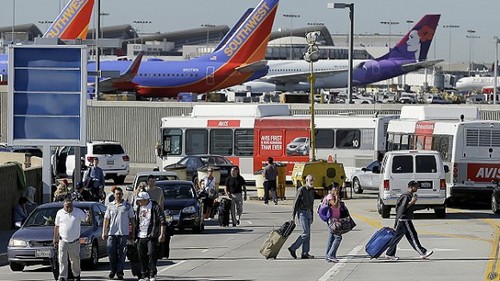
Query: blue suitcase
(379, 242)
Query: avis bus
(249, 134)
(469, 146)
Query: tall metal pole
(450, 27)
(351, 51)
(97, 58)
(312, 153)
(13, 20)
(495, 69)
(291, 16)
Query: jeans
(269, 186)
(304, 240)
(148, 254)
(236, 206)
(116, 252)
(332, 245)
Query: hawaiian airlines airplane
(408, 55)
(71, 23)
(476, 83)
(239, 58)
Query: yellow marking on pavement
(373, 223)
(492, 266)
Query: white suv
(425, 167)
(112, 159)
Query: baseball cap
(413, 183)
(143, 196)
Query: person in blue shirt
(94, 179)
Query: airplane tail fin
(248, 43)
(415, 44)
(233, 30)
(73, 21)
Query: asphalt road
(466, 246)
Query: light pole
(495, 69)
(390, 23)
(471, 37)
(102, 22)
(13, 20)
(291, 16)
(142, 22)
(409, 22)
(311, 56)
(450, 27)
(207, 26)
(351, 43)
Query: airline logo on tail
(73, 21)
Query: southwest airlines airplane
(71, 23)
(408, 55)
(238, 58)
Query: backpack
(324, 211)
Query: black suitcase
(224, 210)
(133, 257)
(54, 265)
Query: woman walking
(333, 242)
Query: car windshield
(300, 140)
(215, 160)
(144, 178)
(177, 191)
(108, 149)
(46, 217)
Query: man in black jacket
(303, 209)
(404, 226)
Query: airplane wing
(298, 77)
(124, 80)
(252, 67)
(419, 65)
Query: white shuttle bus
(249, 134)
(468, 145)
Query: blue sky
(167, 15)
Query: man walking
(155, 193)
(94, 180)
(119, 214)
(67, 237)
(150, 229)
(235, 185)
(270, 173)
(303, 208)
(405, 207)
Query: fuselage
(475, 83)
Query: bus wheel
(494, 204)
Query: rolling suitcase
(54, 264)
(224, 210)
(275, 240)
(379, 242)
(133, 256)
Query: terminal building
(283, 44)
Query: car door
(375, 174)
(98, 211)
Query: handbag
(342, 225)
(212, 194)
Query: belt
(77, 239)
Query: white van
(425, 167)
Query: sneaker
(77, 278)
(292, 253)
(306, 257)
(427, 254)
(392, 258)
(238, 222)
(62, 279)
(275, 202)
(144, 279)
(152, 279)
(119, 276)
(332, 260)
(111, 275)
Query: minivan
(425, 167)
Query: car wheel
(494, 204)
(92, 262)
(440, 212)
(119, 179)
(16, 266)
(357, 186)
(385, 211)
(199, 228)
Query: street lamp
(351, 43)
(409, 22)
(291, 16)
(208, 26)
(495, 69)
(471, 37)
(390, 23)
(102, 23)
(311, 56)
(450, 27)
(142, 22)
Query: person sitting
(61, 193)
(20, 213)
(81, 194)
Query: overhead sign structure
(47, 95)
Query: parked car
(299, 146)
(408, 99)
(436, 100)
(112, 159)
(183, 204)
(194, 162)
(32, 243)
(367, 178)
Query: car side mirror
(376, 170)
(364, 169)
(446, 169)
(129, 188)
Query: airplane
(408, 55)
(71, 23)
(238, 58)
(476, 83)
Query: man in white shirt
(67, 236)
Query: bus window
(324, 138)
(196, 141)
(243, 142)
(420, 143)
(443, 145)
(221, 142)
(405, 143)
(396, 142)
(171, 142)
(348, 138)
